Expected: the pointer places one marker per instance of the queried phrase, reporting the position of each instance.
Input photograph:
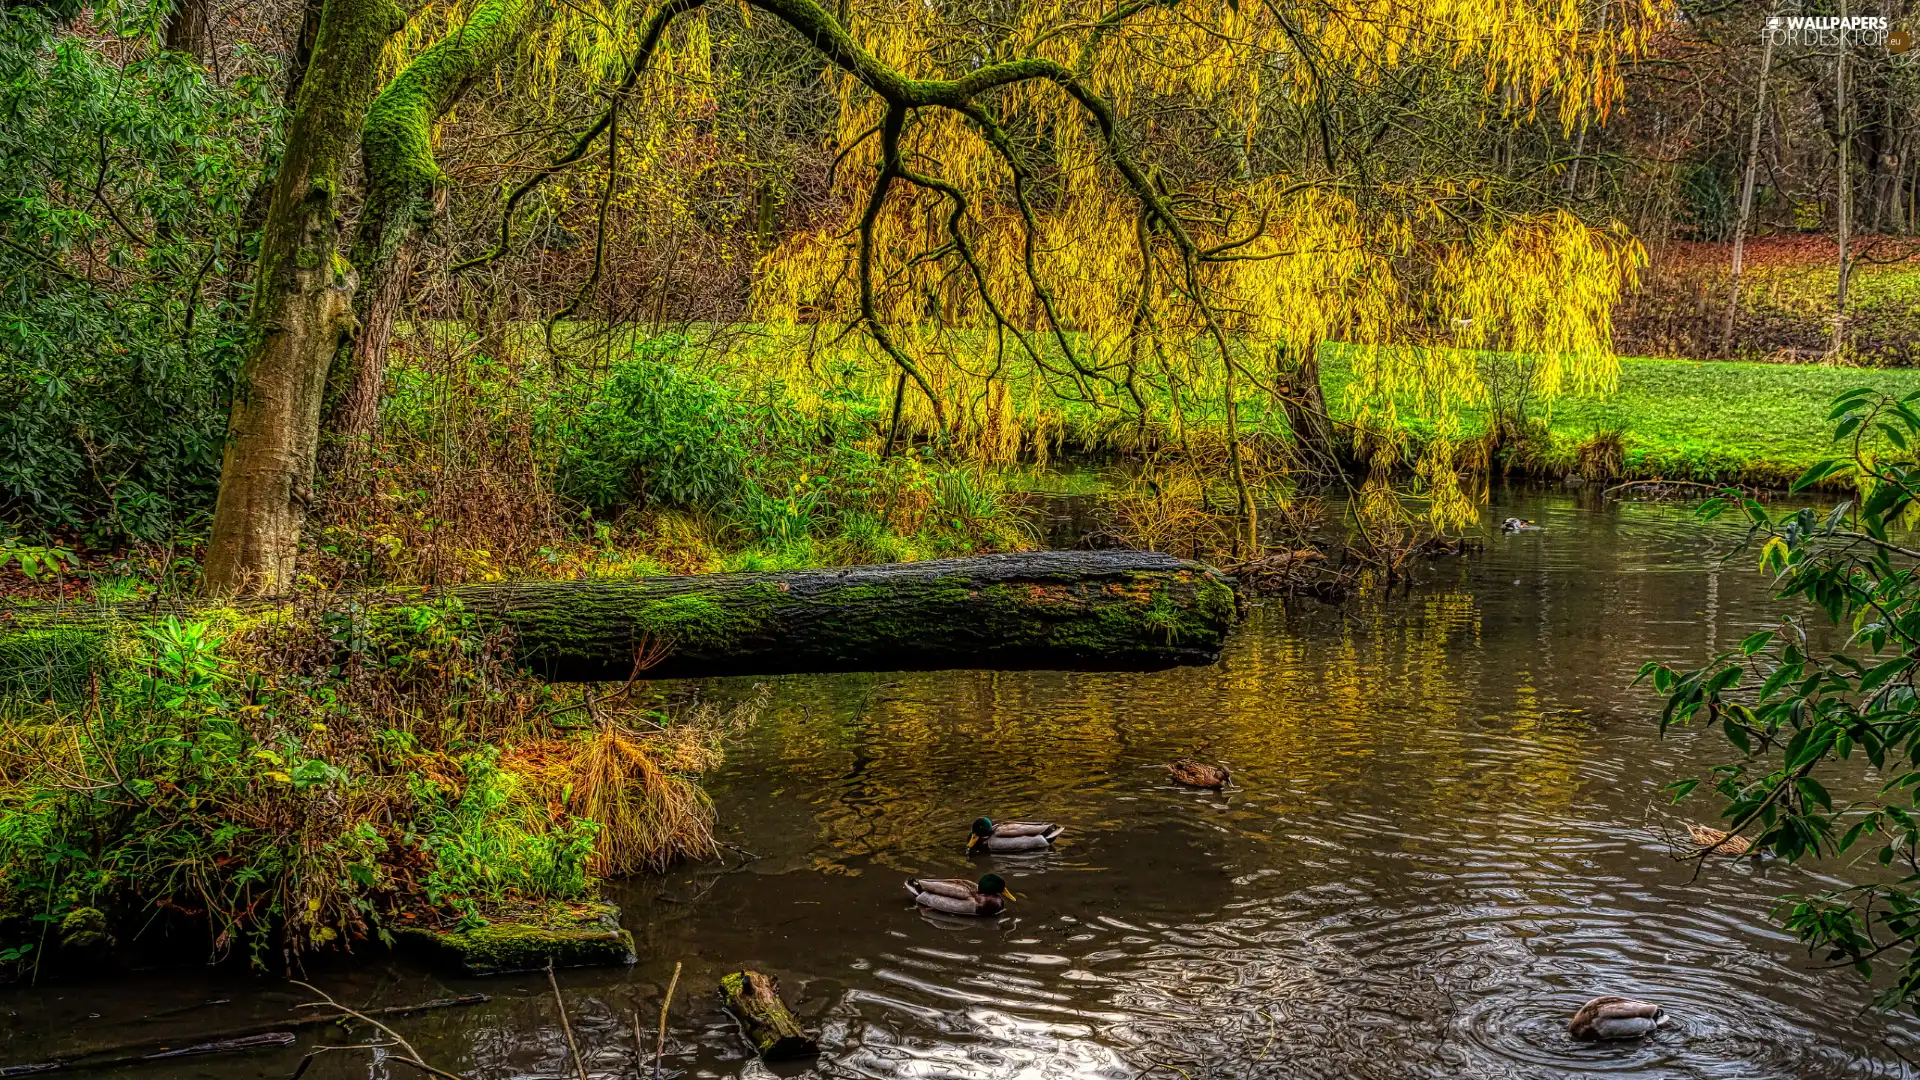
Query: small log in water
(754, 1000)
(1070, 610)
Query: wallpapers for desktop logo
(1831, 31)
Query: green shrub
(655, 434)
(485, 845)
(123, 191)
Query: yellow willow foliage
(594, 38)
(1323, 272)
(1540, 288)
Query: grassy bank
(1682, 419)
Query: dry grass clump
(1602, 456)
(636, 775)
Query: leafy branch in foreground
(1808, 709)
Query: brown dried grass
(638, 777)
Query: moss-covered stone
(564, 935)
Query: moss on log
(1073, 610)
(564, 935)
(754, 1000)
(1107, 610)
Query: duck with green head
(1005, 837)
(958, 896)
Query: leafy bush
(655, 434)
(305, 776)
(485, 841)
(658, 434)
(1802, 716)
(123, 192)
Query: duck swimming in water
(958, 896)
(1616, 1018)
(1003, 837)
(1199, 774)
(1708, 838)
(1518, 525)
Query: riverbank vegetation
(267, 783)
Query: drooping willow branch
(902, 96)
(649, 41)
(600, 230)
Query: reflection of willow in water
(1311, 706)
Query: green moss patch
(563, 935)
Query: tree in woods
(1003, 172)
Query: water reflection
(1444, 841)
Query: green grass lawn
(1713, 420)
(1680, 419)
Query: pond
(1447, 833)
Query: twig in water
(412, 1060)
(560, 1003)
(660, 1046)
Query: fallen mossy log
(1072, 610)
(754, 1000)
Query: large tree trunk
(1073, 610)
(303, 311)
(1306, 409)
(404, 186)
(187, 29)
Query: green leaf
(1755, 642)
(1737, 735)
(1818, 472)
(1878, 677)
(1811, 791)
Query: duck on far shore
(1518, 525)
(1005, 837)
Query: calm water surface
(1449, 834)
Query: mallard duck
(1000, 837)
(1518, 525)
(1615, 1018)
(1733, 846)
(958, 896)
(1199, 774)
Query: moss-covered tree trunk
(303, 310)
(404, 189)
(1063, 610)
(1070, 610)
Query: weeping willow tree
(1030, 175)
